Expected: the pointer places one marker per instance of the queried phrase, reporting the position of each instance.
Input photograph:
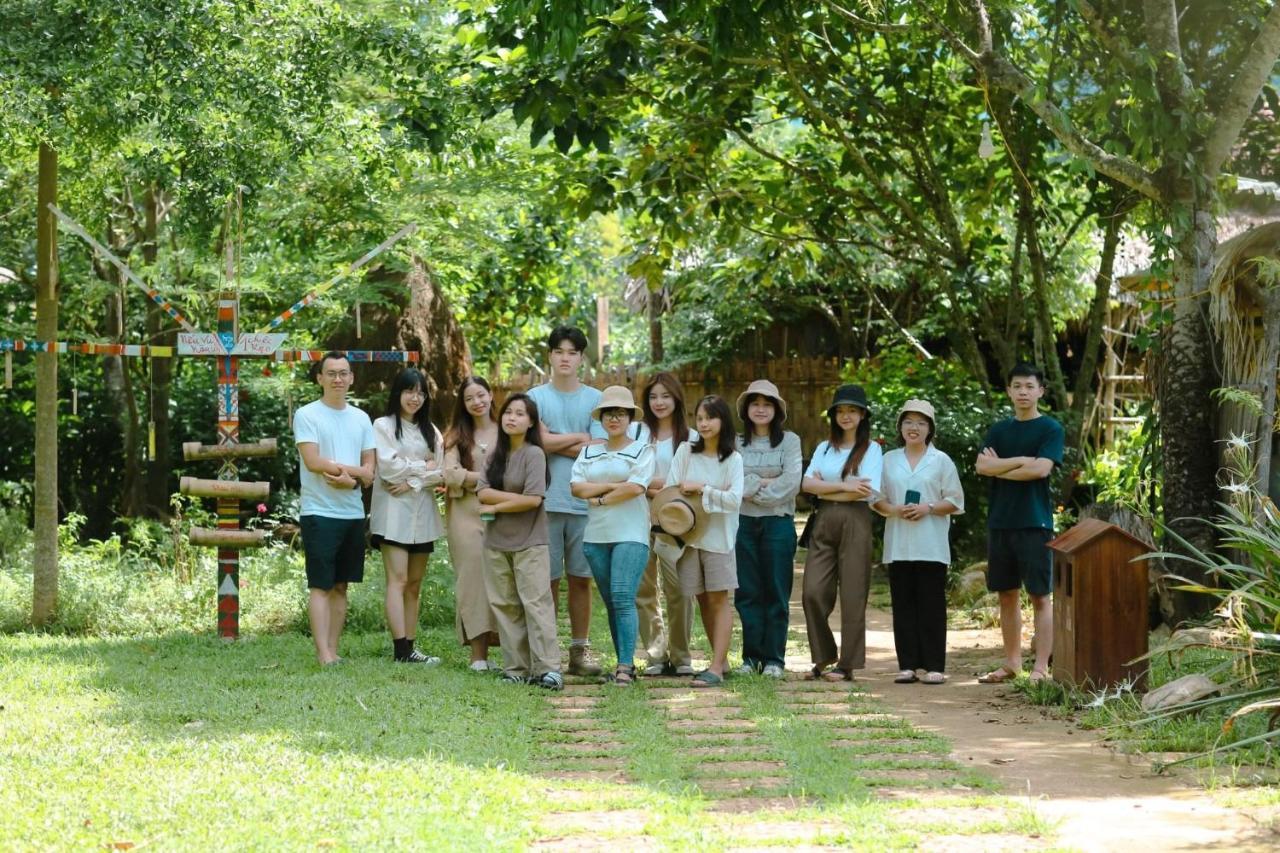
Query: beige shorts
(706, 571)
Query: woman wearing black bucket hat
(844, 475)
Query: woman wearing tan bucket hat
(921, 490)
(844, 474)
(612, 478)
(766, 544)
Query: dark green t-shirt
(1021, 504)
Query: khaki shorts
(706, 571)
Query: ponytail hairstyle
(407, 380)
(679, 419)
(462, 431)
(715, 407)
(861, 441)
(496, 472)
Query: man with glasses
(335, 443)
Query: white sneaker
(481, 666)
(684, 669)
(934, 678)
(744, 669)
(772, 670)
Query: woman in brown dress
(472, 434)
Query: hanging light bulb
(986, 148)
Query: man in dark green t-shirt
(1018, 455)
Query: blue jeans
(618, 568)
(766, 553)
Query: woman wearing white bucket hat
(920, 491)
(612, 478)
(766, 544)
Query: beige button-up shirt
(413, 517)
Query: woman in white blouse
(844, 474)
(612, 478)
(404, 520)
(666, 641)
(709, 468)
(921, 490)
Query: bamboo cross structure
(228, 347)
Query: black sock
(402, 647)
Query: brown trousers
(518, 584)
(838, 562)
(669, 640)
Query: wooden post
(44, 599)
(228, 436)
(602, 329)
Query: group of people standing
(568, 482)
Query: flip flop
(707, 678)
(998, 676)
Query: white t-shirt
(341, 435)
(828, 462)
(721, 497)
(936, 479)
(627, 521)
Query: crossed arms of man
(1024, 468)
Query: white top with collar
(627, 521)
(936, 479)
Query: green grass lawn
(182, 741)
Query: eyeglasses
(914, 423)
(337, 374)
(614, 413)
(415, 392)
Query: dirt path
(1103, 800)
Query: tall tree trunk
(161, 332)
(1270, 367)
(655, 327)
(1186, 379)
(1082, 397)
(44, 601)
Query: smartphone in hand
(911, 497)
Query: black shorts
(335, 550)
(376, 542)
(1020, 558)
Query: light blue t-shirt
(565, 413)
(341, 435)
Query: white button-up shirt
(413, 517)
(936, 479)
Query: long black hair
(462, 430)
(861, 440)
(716, 407)
(495, 473)
(679, 420)
(749, 429)
(407, 380)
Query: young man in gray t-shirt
(564, 406)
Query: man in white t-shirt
(565, 406)
(335, 444)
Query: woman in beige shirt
(404, 521)
(473, 433)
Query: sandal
(815, 674)
(623, 676)
(707, 678)
(1038, 675)
(906, 676)
(837, 674)
(999, 676)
